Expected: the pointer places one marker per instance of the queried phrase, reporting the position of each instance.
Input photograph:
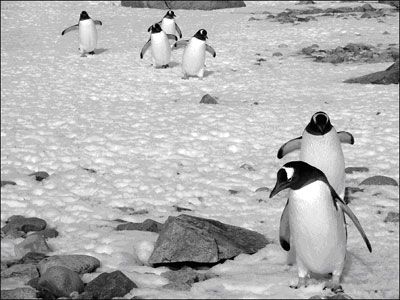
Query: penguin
(320, 146)
(313, 222)
(194, 54)
(160, 47)
(169, 25)
(87, 33)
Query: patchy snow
(153, 145)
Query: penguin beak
(279, 186)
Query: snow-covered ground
(153, 145)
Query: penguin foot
(302, 282)
(91, 53)
(335, 287)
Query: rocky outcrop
(192, 5)
(388, 76)
(189, 239)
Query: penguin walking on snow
(160, 47)
(315, 223)
(169, 25)
(320, 146)
(87, 33)
(194, 54)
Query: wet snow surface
(152, 145)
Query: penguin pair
(313, 219)
(194, 54)
(87, 33)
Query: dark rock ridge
(388, 76)
(379, 180)
(192, 5)
(189, 239)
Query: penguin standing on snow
(169, 25)
(315, 223)
(194, 54)
(87, 33)
(320, 146)
(160, 47)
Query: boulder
(24, 271)
(20, 223)
(78, 263)
(60, 281)
(19, 293)
(192, 5)
(379, 180)
(147, 225)
(33, 243)
(192, 239)
(109, 285)
(389, 76)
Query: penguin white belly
(168, 25)
(194, 57)
(161, 49)
(317, 229)
(87, 36)
(325, 153)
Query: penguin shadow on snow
(100, 51)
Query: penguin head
(201, 34)
(84, 16)
(320, 124)
(170, 14)
(155, 28)
(295, 175)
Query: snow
(153, 145)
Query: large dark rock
(60, 282)
(390, 75)
(78, 263)
(193, 5)
(147, 225)
(109, 285)
(379, 180)
(197, 240)
(20, 223)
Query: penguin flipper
(98, 22)
(211, 50)
(181, 43)
(284, 230)
(352, 216)
(145, 47)
(178, 30)
(289, 146)
(346, 137)
(73, 27)
(172, 37)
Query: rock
(19, 293)
(33, 243)
(109, 285)
(379, 180)
(336, 296)
(39, 176)
(24, 271)
(179, 208)
(283, 46)
(277, 54)
(192, 239)
(389, 76)
(308, 50)
(7, 182)
(207, 99)
(60, 281)
(392, 3)
(305, 2)
(263, 189)
(20, 223)
(178, 286)
(147, 225)
(192, 5)
(78, 263)
(185, 275)
(32, 258)
(3, 265)
(48, 233)
(351, 170)
(392, 217)
(247, 167)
